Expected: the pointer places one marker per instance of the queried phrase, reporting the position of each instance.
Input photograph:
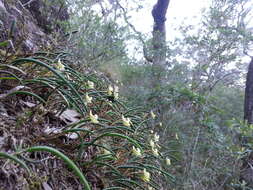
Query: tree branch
(139, 34)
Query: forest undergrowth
(63, 129)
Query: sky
(179, 11)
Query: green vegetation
(103, 106)
(108, 137)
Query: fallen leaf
(46, 186)
(70, 116)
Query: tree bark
(159, 51)
(159, 32)
(248, 100)
(246, 172)
(159, 63)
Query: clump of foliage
(63, 117)
(51, 115)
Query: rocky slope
(27, 24)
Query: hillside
(89, 102)
(62, 129)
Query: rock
(27, 24)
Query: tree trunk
(159, 32)
(158, 53)
(158, 61)
(246, 171)
(159, 42)
(159, 38)
(248, 100)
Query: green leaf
(69, 162)
(4, 44)
(15, 159)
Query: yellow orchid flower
(67, 76)
(136, 152)
(145, 176)
(152, 115)
(156, 137)
(126, 121)
(93, 118)
(151, 143)
(60, 66)
(243, 184)
(116, 92)
(160, 124)
(155, 151)
(168, 162)
(109, 103)
(176, 136)
(88, 99)
(110, 90)
(105, 152)
(90, 84)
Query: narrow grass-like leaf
(126, 185)
(69, 162)
(13, 67)
(131, 166)
(12, 74)
(15, 159)
(8, 78)
(158, 169)
(76, 130)
(110, 166)
(131, 182)
(4, 43)
(29, 94)
(115, 128)
(131, 140)
(57, 73)
(113, 188)
(49, 86)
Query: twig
(220, 79)
(2, 96)
(193, 151)
(27, 3)
(148, 58)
